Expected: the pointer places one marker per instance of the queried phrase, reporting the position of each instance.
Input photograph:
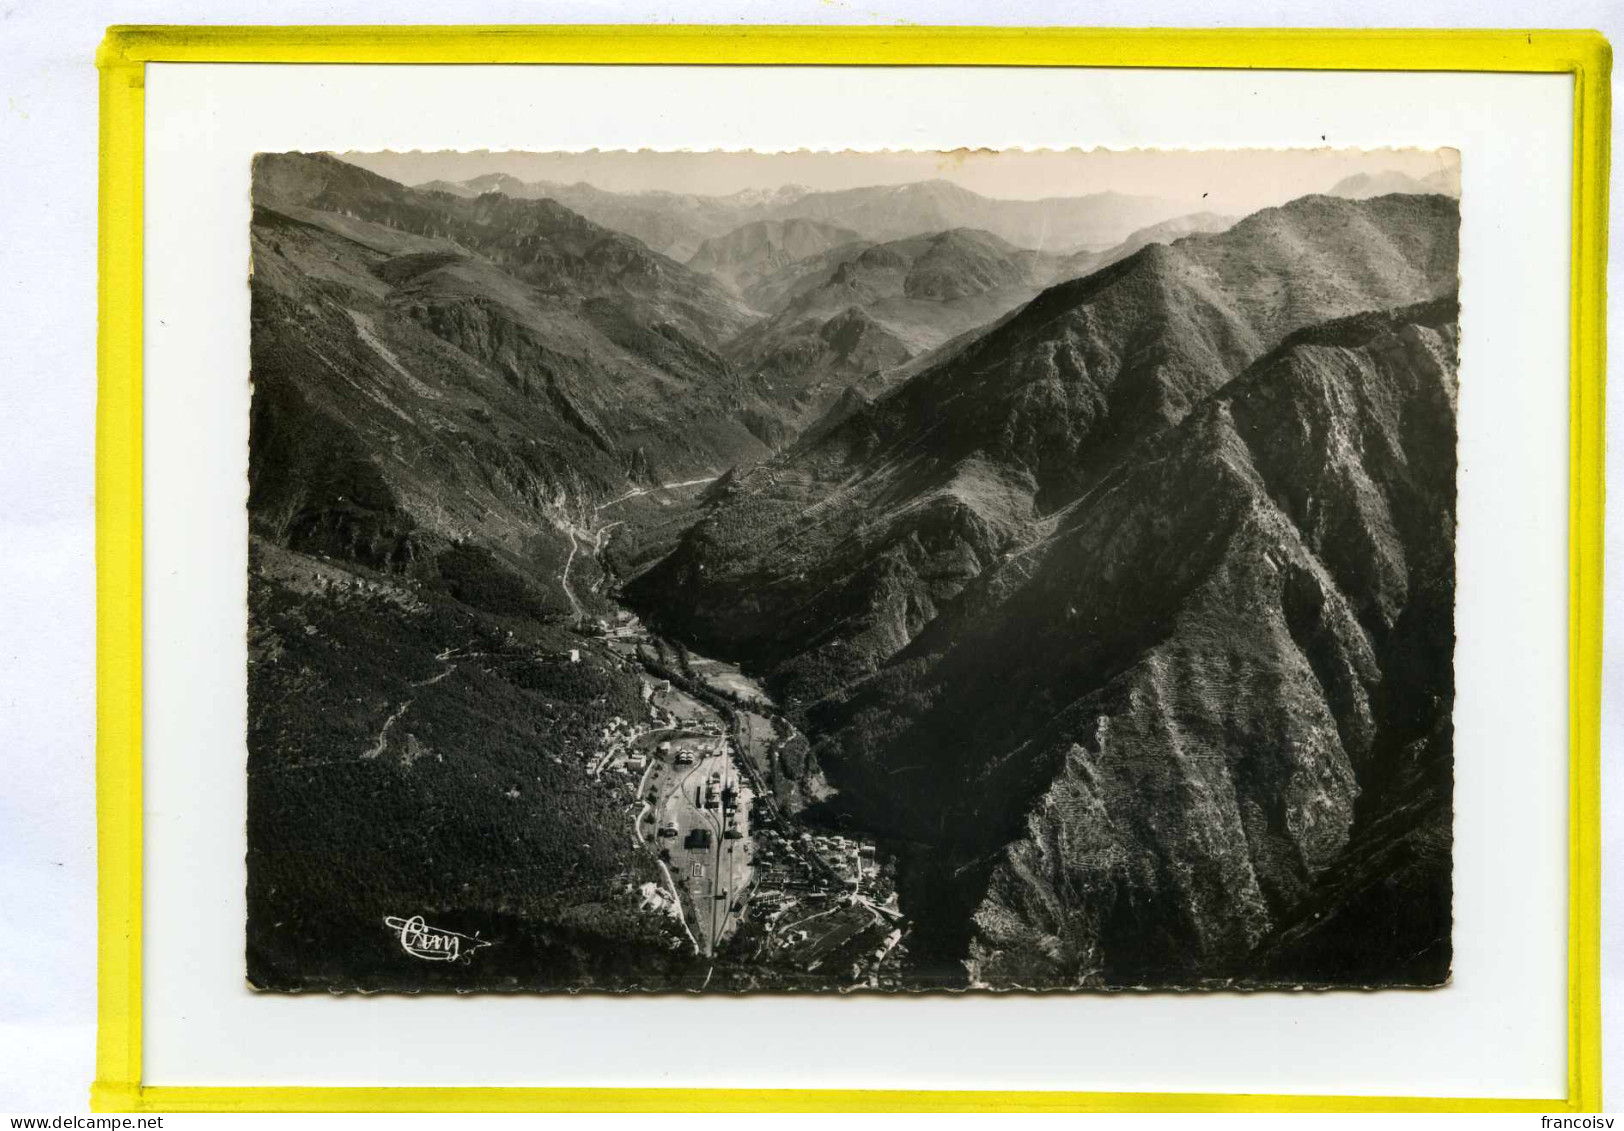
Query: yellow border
(123, 58)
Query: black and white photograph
(876, 572)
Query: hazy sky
(1233, 181)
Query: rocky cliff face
(1254, 655)
(1137, 610)
(1209, 713)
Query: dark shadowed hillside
(412, 752)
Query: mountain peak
(496, 182)
(1363, 186)
(971, 237)
(783, 194)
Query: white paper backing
(1499, 1029)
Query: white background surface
(1498, 1029)
(47, 130)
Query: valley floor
(767, 899)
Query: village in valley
(749, 885)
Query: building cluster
(789, 873)
(852, 860)
(821, 897)
(617, 750)
(623, 625)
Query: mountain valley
(1059, 593)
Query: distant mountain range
(627, 362)
(827, 267)
(677, 224)
(849, 315)
(852, 315)
(1363, 186)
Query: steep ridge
(819, 566)
(1147, 741)
(650, 217)
(778, 291)
(1204, 712)
(852, 313)
(451, 384)
(538, 242)
(1195, 224)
